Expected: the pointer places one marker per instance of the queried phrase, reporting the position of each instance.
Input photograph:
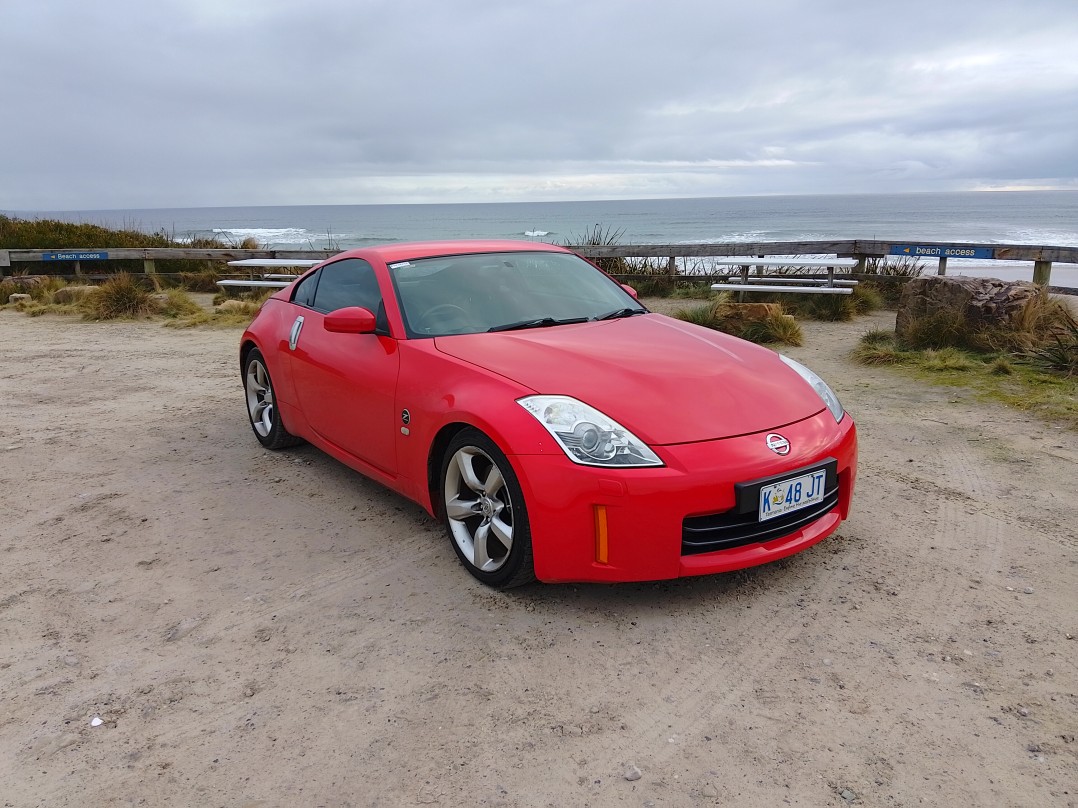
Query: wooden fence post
(150, 269)
(1042, 272)
(671, 266)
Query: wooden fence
(1041, 257)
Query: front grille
(721, 531)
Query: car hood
(665, 380)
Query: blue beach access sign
(74, 256)
(925, 251)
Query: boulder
(980, 301)
(18, 298)
(233, 305)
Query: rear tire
(262, 404)
(484, 511)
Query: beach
(191, 620)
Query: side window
(349, 282)
(304, 292)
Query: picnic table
(775, 283)
(271, 280)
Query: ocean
(1010, 217)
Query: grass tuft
(731, 318)
(121, 296)
(204, 280)
(1060, 354)
(946, 359)
(177, 303)
(1001, 366)
(866, 298)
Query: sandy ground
(257, 628)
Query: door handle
(293, 336)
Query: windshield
(469, 294)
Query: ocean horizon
(1047, 218)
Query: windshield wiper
(619, 313)
(540, 322)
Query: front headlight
(819, 385)
(586, 435)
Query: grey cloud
(198, 102)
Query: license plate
(777, 499)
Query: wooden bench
(277, 263)
(235, 283)
(772, 283)
(270, 280)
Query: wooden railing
(1042, 257)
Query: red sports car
(559, 429)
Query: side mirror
(630, 290)
(350, 320)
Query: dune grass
(50, 234)
(1043, 381)
(773, 328)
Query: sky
(190, 103)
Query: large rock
(981, 301)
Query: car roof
(391, 253)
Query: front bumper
(595, 524)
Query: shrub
(878, 336)
(178, 303)
(657, 286)
(772, 326)
(1001, 366)
(1060, 354)
(778, 328)
(866, 298)
(878, 355)
(1041, 323)
(204, 280)
(602, 236)
(120, 296)
(877, 347)
(940, 329)
(893, 272)
(901, 266)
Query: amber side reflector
(602, 550)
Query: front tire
(262, 404)
(484, 511)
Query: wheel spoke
(493, 482)
(465, 462)
(503, 532)
(480, 556)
